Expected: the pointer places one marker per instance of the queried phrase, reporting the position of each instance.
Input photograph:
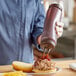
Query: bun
(21, 66)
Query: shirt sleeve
(38, 22)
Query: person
(21, 25)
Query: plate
(73, 66)
(45, 74)
(41, 74)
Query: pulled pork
(44, 65)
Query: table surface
(66, 71)
(64, 65)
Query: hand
(37, 53)
(59, 25)
(59, 29)
(36, 57)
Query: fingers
(60, 24)
(39, 39)
(59, 29)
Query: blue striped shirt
(21, 22)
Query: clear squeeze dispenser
(54, 14)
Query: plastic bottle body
(49, 37)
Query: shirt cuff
(35, 36)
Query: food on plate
(17, 73)
(21, 66)
(39, 66)
(44, 66)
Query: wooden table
(66, 71)
(64, 65)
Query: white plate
(44, 74)
(72, 66)
(41, 74)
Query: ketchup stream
(46, 56)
